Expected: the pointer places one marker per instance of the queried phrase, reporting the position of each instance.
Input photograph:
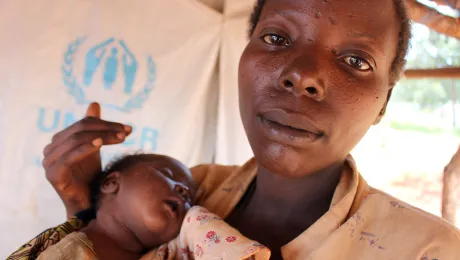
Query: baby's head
(148, 194)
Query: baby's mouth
(175, 207)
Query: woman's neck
(296, 196)
(281, 208)
(111, 239)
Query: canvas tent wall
(152, 64)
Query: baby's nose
(183, 191)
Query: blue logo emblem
(105, 56)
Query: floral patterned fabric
(206, 236)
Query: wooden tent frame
(433, 19)
(450, 26)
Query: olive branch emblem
(77, 92)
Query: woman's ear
(111, 183)
(384, 108)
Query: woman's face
(313, 79)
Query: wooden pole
(455, 4)
(435, 20)
(454, 103)
(449, 189)
(451, 73)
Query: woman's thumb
(94, 110)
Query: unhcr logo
(112, 58)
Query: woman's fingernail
(121, 136)
(97, 142)
(128, 129)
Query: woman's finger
(56, 149)
(91, 124)
(94, 110)
(53, 173)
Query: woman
(313, 78)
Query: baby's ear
(111, 183)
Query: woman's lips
(289, 128)
(291, 120)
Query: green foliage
(429, 50)
(423, 128)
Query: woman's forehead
(349, 7)
(369, 14)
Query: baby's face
(154, 196)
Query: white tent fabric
(232, 145)
(153, 64)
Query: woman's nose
(302, 84)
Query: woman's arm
(72, 159)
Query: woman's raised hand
(73, 158)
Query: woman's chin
(285, 161)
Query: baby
(144, 201)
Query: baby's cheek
(154, 217)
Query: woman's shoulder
(214, 174)
(218, 182)
(404, 222)
(211, 172)
(209, 176)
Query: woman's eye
(357, 63)
(274, 39)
